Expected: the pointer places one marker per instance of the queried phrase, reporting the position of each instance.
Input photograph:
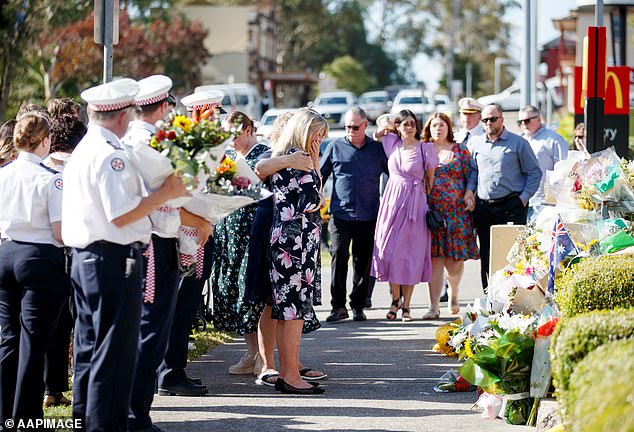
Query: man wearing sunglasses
(549, 148)
(505, 175)
(356, 163)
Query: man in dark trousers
(356, 163)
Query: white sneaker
(259, 364)
(245, 366)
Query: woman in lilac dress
(402, 241)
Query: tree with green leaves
(349, 74)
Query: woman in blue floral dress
(231, 310)
(457, 243)
(295, 240)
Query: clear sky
(546, 11)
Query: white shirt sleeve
(55, 188)
(119, 185)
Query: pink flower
(310, 276)
(306, 179)
(296, 280)
(276, 234)
(298, 243)
(285, 258)
(287, 213)
(275, 275)
(290, 313)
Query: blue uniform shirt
(356, 173)
(503, 167)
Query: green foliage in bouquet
(600, 395)
(605, 282)
(503, 367)
(575, 337)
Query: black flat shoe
(337, 314)
(185, 388)
(289, 389)
(196, 381)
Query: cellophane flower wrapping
(187, 143)
(499, 359)
(541, 372)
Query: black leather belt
(140, 246)
(498, 201)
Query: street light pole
(525, 83)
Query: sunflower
(182, 122)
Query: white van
(238, 97)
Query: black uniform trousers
(172, 370)
(56, 360)
(156, 321)
(487, 214)
(108, 306)
(361, 235)
(33, 288)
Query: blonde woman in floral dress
(456, 243)
(295, 240)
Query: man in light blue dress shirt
(505, 176)
(549, 148)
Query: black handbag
(435, 219)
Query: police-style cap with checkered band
(204, 100)
(112, 96)
(153, 89)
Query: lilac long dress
(402, 242)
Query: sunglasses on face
(352, 127)
(578, 136)
(525, 121)
(489, 120)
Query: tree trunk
(5, 89)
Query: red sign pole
(594, 74)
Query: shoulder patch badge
(117, 164)
(59, 184)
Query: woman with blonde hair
(295, 239)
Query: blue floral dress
(231, 310)
(458, 240)
(295, 237)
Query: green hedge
(575, 337)
(600, 394)
(605, 282)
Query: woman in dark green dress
(231, 311)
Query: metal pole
(598, 13)
(525, 82)
(469, 80)
(496, 75)
(108, 23)
(533, 51)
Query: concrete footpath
(381, 375)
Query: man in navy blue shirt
(505, 175)
(356, 163)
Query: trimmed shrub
(574, 338)
(605, 282)
(600, 394)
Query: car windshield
(370, 99)
(268, 120)
(331, 100)
(226, 101)
(411, 100)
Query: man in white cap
(105, 219)
(470, 115)
(161, 257)
(172, 378)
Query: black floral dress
(295, 238)
(231, 311)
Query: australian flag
(561, 247)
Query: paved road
(381, 376)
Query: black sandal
(391, 315)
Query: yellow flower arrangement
(182, 122)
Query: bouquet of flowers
(540, 370)
(187, 143)
(499, 361)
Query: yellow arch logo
(617, 88)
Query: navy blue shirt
(355, 174)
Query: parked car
(510, 98)
(333, 105)
(238, 97)
(443, 103)
(375, 103)
(264, 127)
(414, 100)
